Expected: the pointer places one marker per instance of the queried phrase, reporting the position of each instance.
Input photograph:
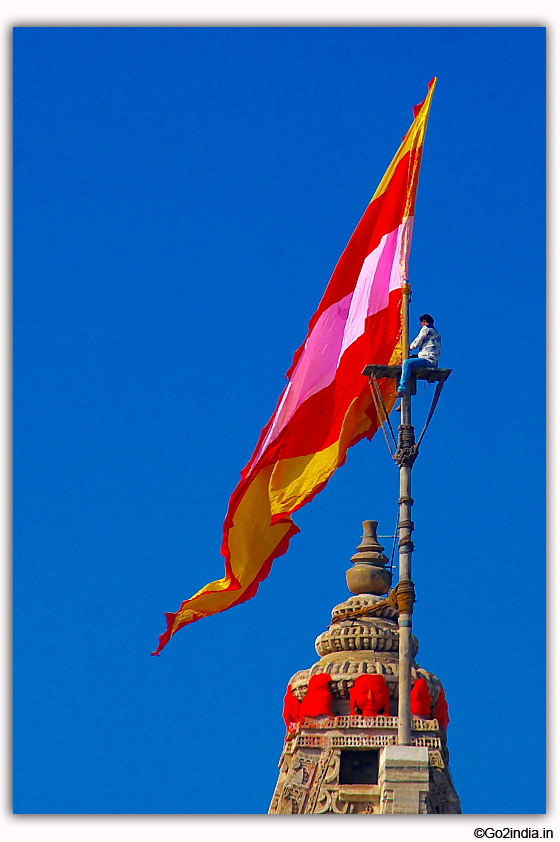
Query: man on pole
(428, 342)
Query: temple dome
(359, 642)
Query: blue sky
(181, 197)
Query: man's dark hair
(427, 318)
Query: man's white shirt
(429, 343)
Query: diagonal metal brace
(432, 410)
(379, 418)
(380, 396)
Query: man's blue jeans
(412, 362)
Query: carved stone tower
(348, 761)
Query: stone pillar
(404, 779)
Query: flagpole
(405, 594)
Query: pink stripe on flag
(383, 271)
(315, 368)
(340, 325)
(399, 272)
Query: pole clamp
(406, 499)
(405, 596)
(407, 449)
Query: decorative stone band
(311, 741)
(345, 672)
(326, 741)
(362, 605)
(357, 638)
(385, 722)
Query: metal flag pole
(407, 449)
(405, 455)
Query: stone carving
(333, 768)
(290, 746)
(364, 807)
(425, 724)
(292, 798)
(436, 759)
(318, 699)
(339, 806)
(323, 803)
(441, 710)
(329, 802)
(442, 797)
(370, 695)
(421, 701)
(359, 740)
(427, 742)
(296, 776)
(324, 763)
(331, 722)
(343, 674)
(378, 740)
(324, 794)
(359, 722)
(357, 638)
(292, 708)
(387, 798)
(310, 740)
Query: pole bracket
(407, 449)
(403, 597)
(406, 499)
(406, 545)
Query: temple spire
(341, 753)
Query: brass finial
(370, 549)
(369, 573)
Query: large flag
(327, 406)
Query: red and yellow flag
(326, 406)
